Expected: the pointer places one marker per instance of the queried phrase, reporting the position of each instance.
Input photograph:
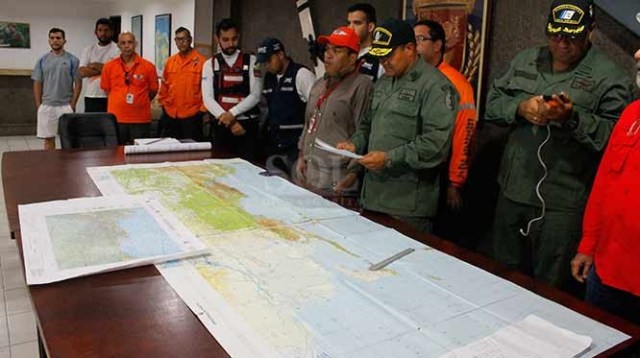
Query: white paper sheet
(70, 238)
(320, 144)
(162, 148)
(532, 337)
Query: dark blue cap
(268, 47)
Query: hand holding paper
(320, 144)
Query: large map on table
(287, 273)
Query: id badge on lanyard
(313, 121)
(129, 98)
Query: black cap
(391, 34)
(570, 17)
(268, 47)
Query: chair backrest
(88, 130)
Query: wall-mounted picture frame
(466, 24)
(162, 41)
(14, 35)
(136, 30)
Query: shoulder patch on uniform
(256, 70)
(407, 94)
(448, 96)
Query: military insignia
(382, 36)
(567, 14)
(583, 84)
(407, 95)
(448, 97)
(256, 70)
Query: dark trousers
(243, 146)
(187, 128)
(130, 131)
(421, 223)
(93, 105)
(618, 302)
(547, 251)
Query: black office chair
(88, 130)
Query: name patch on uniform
(524, 74)
(583, 84)
(407, 95)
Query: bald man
(131, 82)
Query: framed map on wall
(14, 35)
(162, 41)
(465, 23)
(136, 30)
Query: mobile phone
(549, 97)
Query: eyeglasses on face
(182, 39)
(420, 38)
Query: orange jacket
(465, 125)
(180, 94)
(136, 83)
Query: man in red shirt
(610, 247)
(131, 82)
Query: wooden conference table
(135, 312)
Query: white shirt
(304, 81)
(364, 51)
(208, 95)
(100, 54)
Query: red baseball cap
(343, 37)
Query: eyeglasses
(127, 79)
(421, 38)
(182, 39)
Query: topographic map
(77, 237)
(287, 273)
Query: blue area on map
(145, 237)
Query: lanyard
(327, 92)
(128, 79)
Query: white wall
(76, 17)
(182, 14)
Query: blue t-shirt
(57, 74)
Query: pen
(387, 261)
(155, 141)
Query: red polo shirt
(611, 229)
(135, 82)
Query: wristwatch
(573, 122)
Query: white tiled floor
(18, 338)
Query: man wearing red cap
(336, 104)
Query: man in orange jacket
(181, 93)
(131, 83)
(431, 43)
